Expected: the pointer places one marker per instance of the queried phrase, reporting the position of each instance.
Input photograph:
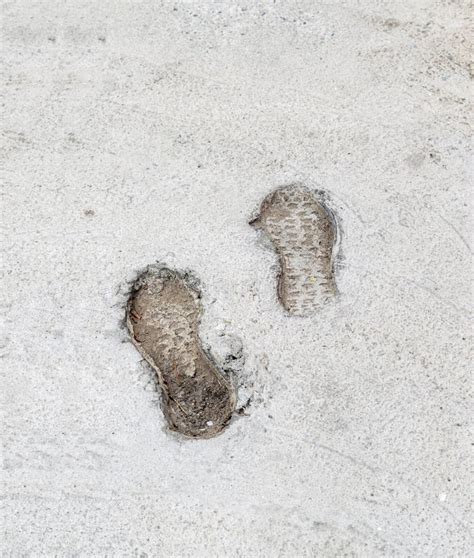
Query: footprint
(163, 315)
(303, 232)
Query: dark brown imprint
(303, 232)
(163, 315)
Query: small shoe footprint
(303, 232)
(163, 315)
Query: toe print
(303, 232)
(163, 315)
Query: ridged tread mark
(163, 315)
(303, 232)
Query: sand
(151, 131)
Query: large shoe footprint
(163, 315)
(303, 232)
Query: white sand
(171, 120)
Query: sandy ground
(144, 131)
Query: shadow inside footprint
(163, 315)
(303, 232)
